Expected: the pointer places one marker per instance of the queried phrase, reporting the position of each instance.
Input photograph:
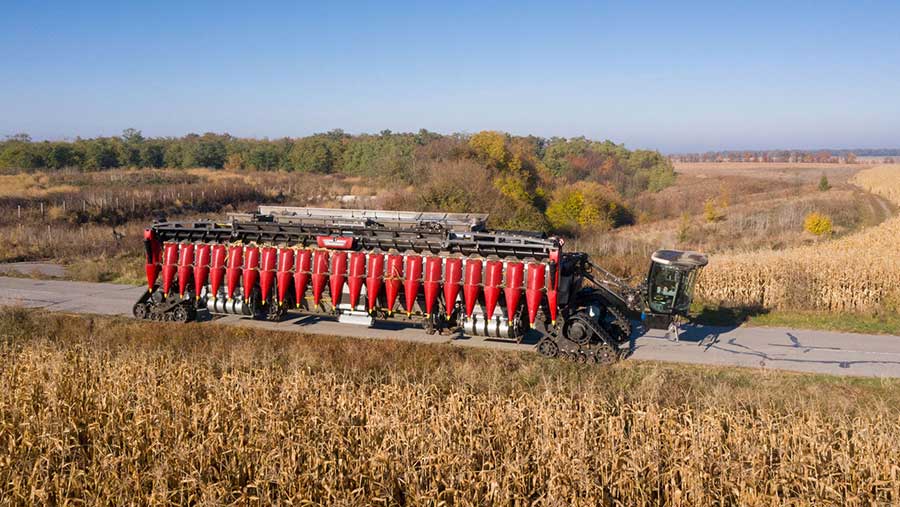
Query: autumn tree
(587, 205)
(491, 146)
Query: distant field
(807, 172)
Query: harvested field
(108, 411)
(806, 172)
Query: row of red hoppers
(216, 263)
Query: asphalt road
(756, 347)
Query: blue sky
(676, 76)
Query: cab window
(662, 286)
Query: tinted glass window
(663, 284)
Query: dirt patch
(35, 269)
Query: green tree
(207, 151)
(61, 155)
(21, 155)
(129, 147)
(647, 170)
(315, 154)
(175, 156)
(264, 157)
(385, 157)
(132, 136)
(101, 153)
(824, 185)
(560, 152)
(153, 154)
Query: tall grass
(108, 411)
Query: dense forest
(566, 185)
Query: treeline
(790, 156)
(559, 183)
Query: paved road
(787, 349)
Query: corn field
(107, 411)
(857, 273)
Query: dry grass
(69, 243)
(783, 171)
(70, 216)
(762, 208)
(31, 185)
(857, 273)
(110, 411)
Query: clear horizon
(678, 78)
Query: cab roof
(680, 259)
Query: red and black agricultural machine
(446, 271)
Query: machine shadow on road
(732, 346)
(703, 329)
(702, 335)
(708, 337)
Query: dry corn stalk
(120, 412)
(857, 273)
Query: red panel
(452, 277)
(432, 282)
(515, 273)
(151, 245)
(356, 276)
(170, 265)
(233, 269)
(283, 275)
(267, 271)
(374, 273)
(534, 290)
(338, 276)
(303, 260)
(251, 270)
(216, 270)
(185, 267)
(319, 274)
(335, 242)
(152, 270)
(493, 274)
(413, 279)
(392, 279)
(472, 284)
(553, 284)
(201, 268)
